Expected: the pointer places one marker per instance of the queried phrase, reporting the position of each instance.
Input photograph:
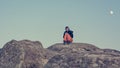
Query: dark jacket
(69, 32)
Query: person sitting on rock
(67, 36)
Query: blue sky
(44, 20)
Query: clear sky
(93, 21)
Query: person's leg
(68, 42)
(65, 39)
(69, 39)
(64, 42)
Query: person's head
(67, 28)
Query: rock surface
(24, 54)
(31, 54)
(82, 55)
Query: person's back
(67, 36)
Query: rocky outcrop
(31, 54)
(24, 54)
(74, 47)
(82, 55)
(0, 52)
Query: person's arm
(71, 32)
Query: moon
(111, 12)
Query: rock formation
(31, 54)
(24, 54)
(82, 55)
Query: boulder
(82, 55)
(24, 54)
